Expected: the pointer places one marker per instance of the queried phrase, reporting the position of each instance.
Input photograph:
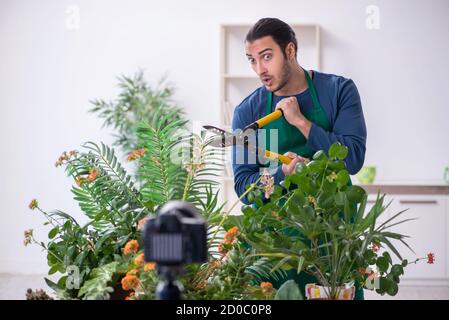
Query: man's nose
(260, 69)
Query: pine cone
(37, 295)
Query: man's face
(268, 61)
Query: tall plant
(136, 102)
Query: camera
(177, 235)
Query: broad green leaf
(338, 151)
(288, 291)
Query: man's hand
(288, 169)
(293, 115)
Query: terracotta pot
(318, 292)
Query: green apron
(291, 138)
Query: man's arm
(244, 173)
(349, 128)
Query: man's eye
(251, 60)
(267, 56)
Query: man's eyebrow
(267, 49)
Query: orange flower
(93, 173)
(132, 272)
(149, 266)
(267, 287)
(430, 258)
(229, 239)
(142, 222)
(231, 234)
(131, 247)
(130, 282)
(140, 260)
(33, 204)
(65, 157)
(136, 154)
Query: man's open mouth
(267, 81)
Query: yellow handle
(280, 157)
(269, 118)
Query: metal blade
(222, 138)
(216, 130)
(220, 142)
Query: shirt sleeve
(349, 127)
(245, 173)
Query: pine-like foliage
(177, 165)
(111, 199)
(262, 270)
(137, 101)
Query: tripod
(169, 288)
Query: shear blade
(223, 141)
(215, 130)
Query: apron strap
(268, 111)
(316, 103)
(269, 103)
(313, 94)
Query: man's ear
(290, 50)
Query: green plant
(107, 196)
(111, 200)
(316, 222)
(136, 102)
(94, 258)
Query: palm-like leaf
(161, 176)
(262, 270)
(176, 165)
(111, 198)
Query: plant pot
(317, 292)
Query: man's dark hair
(280, 31)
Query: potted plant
(316, 222)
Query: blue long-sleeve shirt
(340, 100)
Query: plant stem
(39, 244)
(253, 185)
(50, 219)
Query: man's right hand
(288, 169)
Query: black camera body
(177, 235)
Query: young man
(319, 109)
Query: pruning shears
(225, 139)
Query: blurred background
(56, 56)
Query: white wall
(48, 73)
